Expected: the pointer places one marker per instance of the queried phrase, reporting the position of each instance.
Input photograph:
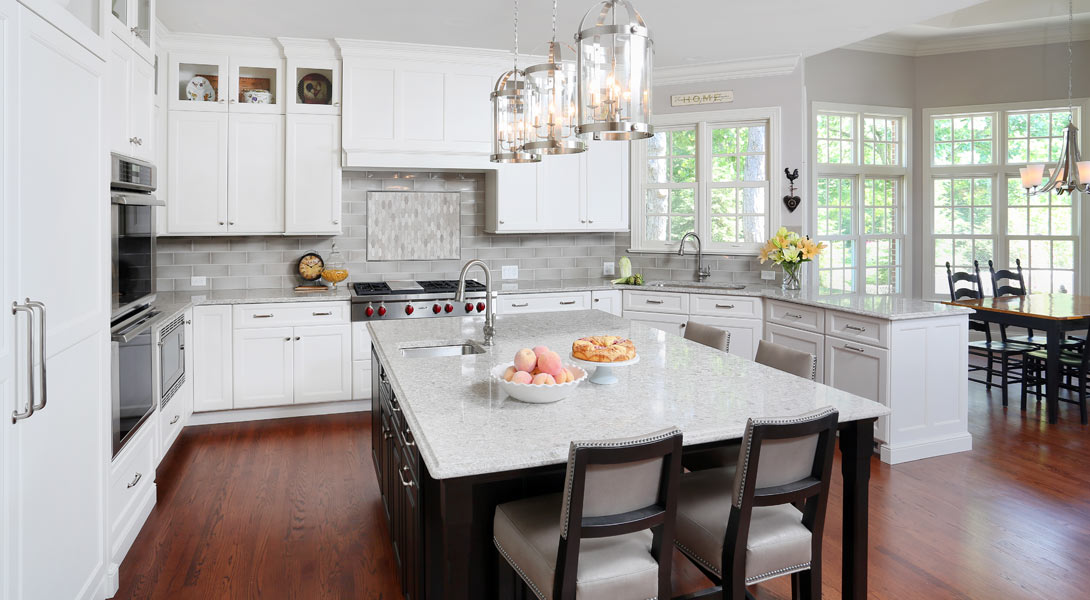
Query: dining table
(1054, 313)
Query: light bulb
(1031, 175)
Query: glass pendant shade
(511, 120)
(553, 89)
(614, 58)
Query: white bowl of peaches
(538, 376)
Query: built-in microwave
(132, 223)
(171, 359)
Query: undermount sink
(454, 349)
(701, 284)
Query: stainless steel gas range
(407, 299)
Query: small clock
(311, 266)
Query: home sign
(702, 98)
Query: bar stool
(708, 335)
(615, 529)
(739, 524)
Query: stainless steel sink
(454, 349)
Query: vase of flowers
(789, 250)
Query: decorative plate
(315, 88)
(311, 266)
(200, 89)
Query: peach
(525, 360)
(570, 374)
(562, 377)
(521, 377)
(549, 362)
(544, 379)
(539, 350)
(509, 373)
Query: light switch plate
(510, 272)
(198, 281)
(768, 275)
(608, 268)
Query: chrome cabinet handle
(230, 222)
(287, 339)
(41, 350)
(336, 222)
(523, 305)
(855, 348)
(139, 141)
(408, 442)
(401, 476)
(175, 419)
(654, 301)
(135, 480)
(787, 314)
(322, 314)
(268, 316)
(336, 104)
(221, 223)
(567, 302)
(297, 338)
(724, 306)
(597, 299)
(220, 100)
(132, 140)
(132, 29)
(855, 328)
(16, 308)
(233, 101)
(501, 221)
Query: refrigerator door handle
(16, 308)
(41, 349)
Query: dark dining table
(1054, 314)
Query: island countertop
(464, 424)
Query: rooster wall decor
(791, 201)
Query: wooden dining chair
(609, 535)
(1007, 354)
(1011, 282)
(1074, 367)
(713, 337)
(740, 525)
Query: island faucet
(702, 272)
(490, 306)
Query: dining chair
(1074, 366)
(608, 535)
(740, 525)
(709, 336)
(1011, 282)
(1006, 353)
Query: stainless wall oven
(132, 222)
(133, 352)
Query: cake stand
(603, 371)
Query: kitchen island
(449, 445)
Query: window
(708, 173)
(978, 209)
(861, 175)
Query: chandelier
(511, 126)
(614, 57)
(1070, 173)
(553, 87)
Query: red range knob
(469, 307)
(381, 311)
(481, 306)
(369, 312)
(435, 309)
(449, 308)
(409, 309)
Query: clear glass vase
(792, 277)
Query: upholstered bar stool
(709, 336)
(739, 524)
(610, 533)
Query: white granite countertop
(465, 425)
(257, 296)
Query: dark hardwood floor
(290, 509)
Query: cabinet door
(514, 197)
(564, 191)
(608, 301)
(607, 186)
(255, 167)
(187, 392)
(197, 172)
(862, 370)
(323, 363)
(313, 174)
(141, 23)
(212, 372)
(119, 96)
(142, 117)
(263, 367)
(664, 321)
(744, 333)
(249, 77)
(187, 92)
(804, 341)
(304, 87)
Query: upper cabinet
(133, 21)
(218, 83)
(314, 86)
(130, 89)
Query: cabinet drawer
(711, 305)
(533, 303)
(668, 302)
(172, 419)
(132, 473)
(290, 314)
(361, 341)
(795, 315)
(855, 327)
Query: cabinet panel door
(744, 333)
(517, 190)
(422, 97)
(142, 117)
(804, 341)
(663, 321)
(607, 186)
(564, 190)
(197, 172)
(369, 96)
(313, 174)
(263, 367)
(255, 167)
(862, 370)
(212, 373)
(323, 363)
(466, 118)
(119, 96)
(608, 301)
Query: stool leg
(991, 369)
(1003, 376)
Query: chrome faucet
(702, 272)
(490, 307)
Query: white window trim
(999, 168)
(905, 171)
(700, 120)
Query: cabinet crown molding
(308, 48)
(429, 52)
(766, 66)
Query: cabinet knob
(297, 338)
(132, 29)
(221, 222)
(590, 220)
(188, 321)
(335, 222)
(220, 100)
(230, 222)
(132, 140)
(582, 220)
(336, 104)
(287, 339)
(501, 222)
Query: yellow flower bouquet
(789, 250)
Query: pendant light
(553, 89)
(614, 53)
(1070, 173)
(511, 114)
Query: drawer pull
(517, 305)
(323, 314)
(263, 316)
(654, 301)
(567, 302)
(597, 299)
(792, 316)
(724, 306)
(855, 348)
(855, 328)
(401, 476)
(386, 434)
(135, 480)
(408, 440)
(175, 419)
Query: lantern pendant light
(1070, 173)
(511, 113)
(614, 61)
(553, 87)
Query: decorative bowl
(257, 97)
(538, 394)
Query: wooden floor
(290, 509)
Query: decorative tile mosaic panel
(413, 226)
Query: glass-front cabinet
(314, 86)
(216, 83)
(133, 21)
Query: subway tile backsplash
(253, 262)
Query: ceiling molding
(767, 66)
(991, 40)
(413, 51)
(307, 48)
(208, 43)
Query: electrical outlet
(768, 275)
(198, 281)
(608, 268)
(510, 272)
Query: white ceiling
(686, 32)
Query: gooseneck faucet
(702, 272)
(490, 307)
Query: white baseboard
(278, 412)
(926, 449)
(127, 536)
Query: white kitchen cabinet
(664, 302)
(519, 186)
(224, 81)
(607, 180)
(564, 192)
(174, 416)
(862, 370)
(315, 69)
(213, 379)
(670, 323)
(510, 304)
(263, 74)
(312, 193)
(744, 333)
(197, 172)
(255, 173)
(608, 301)
(131, 493)
(133, 21)
(361, 380)
(803, 341)
(130, 96)
(264, 368)
(323, 364)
